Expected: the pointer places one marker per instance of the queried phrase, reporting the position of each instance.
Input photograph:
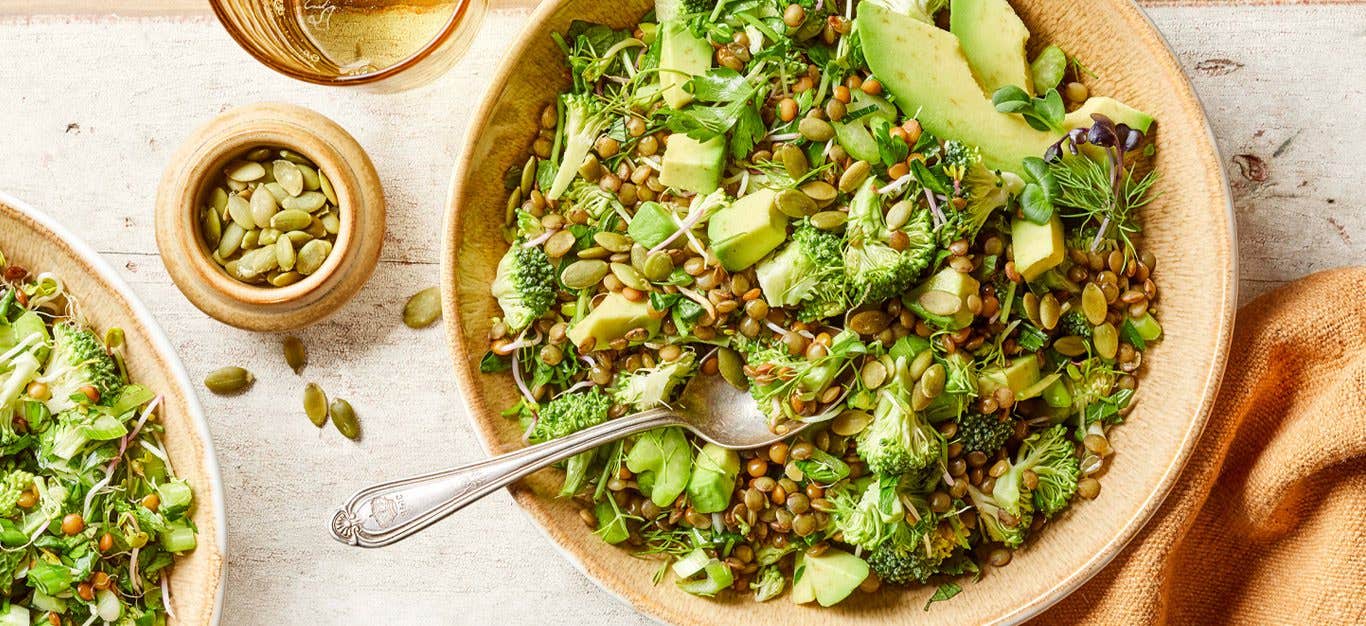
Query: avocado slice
(1018, 375)
(693, 165)
(652, 224)
(614, 317)
(713, 478)
(828, 578)
(1038, 247)
(993, 38)
(747, 230)
(948, 280)
(682, 55)
(947, 98)
(854, 135)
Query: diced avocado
(993, 38)
(662, 461)
(1038, 247)
(693, 165)
(15, 615)
(682, 55)
(713, 478)
(828, 578)
(925, 68)
(614, 317)
(1047, 69)
(854, 135)
(1018, 375)
(29, 323)
(747, 230)
(652, 224)
(951, 281)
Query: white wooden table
(92, 106)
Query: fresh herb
(1044, 113)
(945, 591)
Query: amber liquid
(366, 36)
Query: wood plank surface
(92, 108)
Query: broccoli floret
(14, 483)
(1050, 455)
(985, 191)
(866, 512)
(675, 9)
(989, 514)
(913, 552)
(595, 200)
(795, 374)
(960, 155)
(79, 359)
(768, 584)
(648, 388)
(570, 413)
(585, 119)
(876, 270)
(983, 433)
(923, 10)
(899, 440)
(1075, 323)
(524, 286)
(807, 274)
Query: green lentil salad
(91, 513)
(879, 217)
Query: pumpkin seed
(291, 219)
(919, 400)
(285, 279)
(308, 202)
(268, 237)
(821, 192)
(854, 176)
(815, 129)
(315, 404)
(229, 380)
(298, 237)
(257, 262)
(284, 253)
(231, 268)
(638, 254)
(899, 214)
(559, 244)
(583, 273)
(1070, 345)
(218, 199)
(423, 308)
(630, 277)
(595, 252)
(932, 381)
(344, 418)
(795, 204)
(277, 191)
(294, 157)
(1106, 339)
(528, 175)
(873, 374)
(1031, 306)
(235, 185)
(793, 160)
(240, 210)
(1093, 303)
(251, 240)
(658, 266)
(296, 355)
(921, 364)
(850, 423)
(316, 228)
(231, 241)
(940, 303)
(263, 207)
(1049, 311)
(613, 241)
(829, 220)
(244, 171)
(325, 186)
(732, 368)
(211, 227)
(259, 154)
(310, 175)
(331, 223)
(868, 323)
(289, 177)
(311, 256)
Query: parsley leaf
(945, 591)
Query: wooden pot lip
(199, 162)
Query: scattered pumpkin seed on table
(344, 418)
(423, 308)
(296, 355)
(315, 404)
(229, 380)
(271, 218)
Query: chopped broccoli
(806, 275)
(983, 433)
(914, 551)
(923, 10)
(79, 359)
(585, 119)
(791, 375)
(570, 413)
(1075, 323)
(768, 584)
(985, 191)
(595, 200)
(1051, 456)
(524, 286)
(14, 483)
(899, 440)
(989, 514)
(648, 388)
(866, 512)
(876, 270)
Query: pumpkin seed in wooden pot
(263, 207)
(287, 174)
(312, 256)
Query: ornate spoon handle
(388, 512)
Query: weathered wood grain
(92, 108)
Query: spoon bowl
(710, 407)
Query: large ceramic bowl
(33, 240)
(1189, 228)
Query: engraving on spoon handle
(388, 512)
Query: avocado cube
(1017, 375)
(747, 230)
(951, 281)
(613, 318)
(652, 224)
(682, 55)
(713, 478)
(693, 165)
(1038, 247)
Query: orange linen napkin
(1267, 524)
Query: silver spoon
(710, 407)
